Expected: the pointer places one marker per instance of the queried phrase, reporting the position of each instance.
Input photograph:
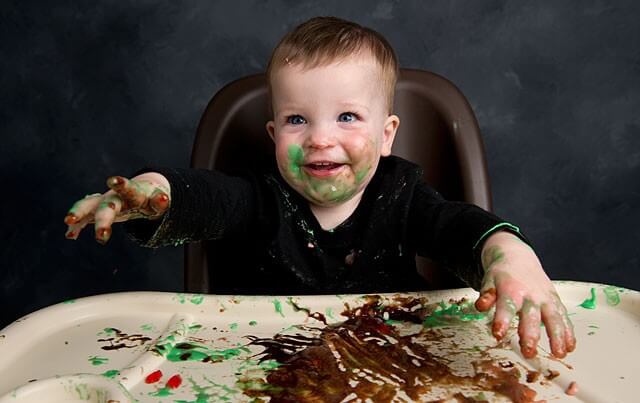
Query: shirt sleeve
(205, 205)
(453, 233)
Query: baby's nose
(321, 137)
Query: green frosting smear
(112, 373)
(611, 293)
(278, 307)
(95, 360)
(590, 303)
(296, 160)
(452, 314)
(196, 352)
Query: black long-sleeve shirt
(266, 238)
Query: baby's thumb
(487, 296)
(159, 201)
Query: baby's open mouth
(323, 166)
(322, 169)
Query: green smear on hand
(613, 298)
(278, 307)
(253, 323)
(590, 303)
(95, 360)
(454, 313)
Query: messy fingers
(505, 311)
(82, 208)
(554, 324)
(105, 216)
(569, 335)
(129, 191)
(529, 329)
(486, 300)
(159, 201)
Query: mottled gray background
(92, 89)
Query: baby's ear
(271, 129)
(389, 134)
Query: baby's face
(331, 126)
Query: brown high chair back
(438, 130)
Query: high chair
(438, 130)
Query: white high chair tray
(166, 347)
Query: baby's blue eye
(296, 120)
(347, 117)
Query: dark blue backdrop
(91, 89)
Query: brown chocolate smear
(366, 358)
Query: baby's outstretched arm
(144, 196)
(516, 284)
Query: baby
(342, 214)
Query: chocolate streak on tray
(364, 357)
(123, 340)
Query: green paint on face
(194, 328)
(162, 392)
(590, 303)
(452, 314)
(147, 327)
(591, 333)
(594, 326)
(253, 323)
(613, 298)
(197, 299)
(112, 373)
(278, 307)
(233, 326)
(360, 175)
(296, 160)
(95, 360)
(181, 298)
(69, 301)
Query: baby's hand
(145, 196)
(516, 283)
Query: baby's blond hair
(323, 40)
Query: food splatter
(153, 377)
(365, 358)
(95, 360)
(119, 339)
(612, 296)
(112, 373)
(174, 382)
(590, 303)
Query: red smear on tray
(153, 377)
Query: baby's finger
(554, 324)
(529, 329)
(569, 335)
(505, 311)
(159, 201)
(130, 192)
(486, 300)
(73, 230)
(82, 208)
(105, 215)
